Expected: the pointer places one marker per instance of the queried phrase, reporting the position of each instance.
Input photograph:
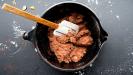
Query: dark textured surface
(18, 57)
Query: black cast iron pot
(39, 36)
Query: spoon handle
(29, 16)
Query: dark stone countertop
(18, 57)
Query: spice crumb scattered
(90, 65)
(35, 50)
(24, 7)
(32, 7)
(132, 53)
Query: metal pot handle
(103, 34)
(29, 35)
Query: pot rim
(67, 2)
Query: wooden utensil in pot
(62, 28)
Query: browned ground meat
(71, 47)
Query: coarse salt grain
(24, 7)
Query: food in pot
(71, 47)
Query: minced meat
(71, 47)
